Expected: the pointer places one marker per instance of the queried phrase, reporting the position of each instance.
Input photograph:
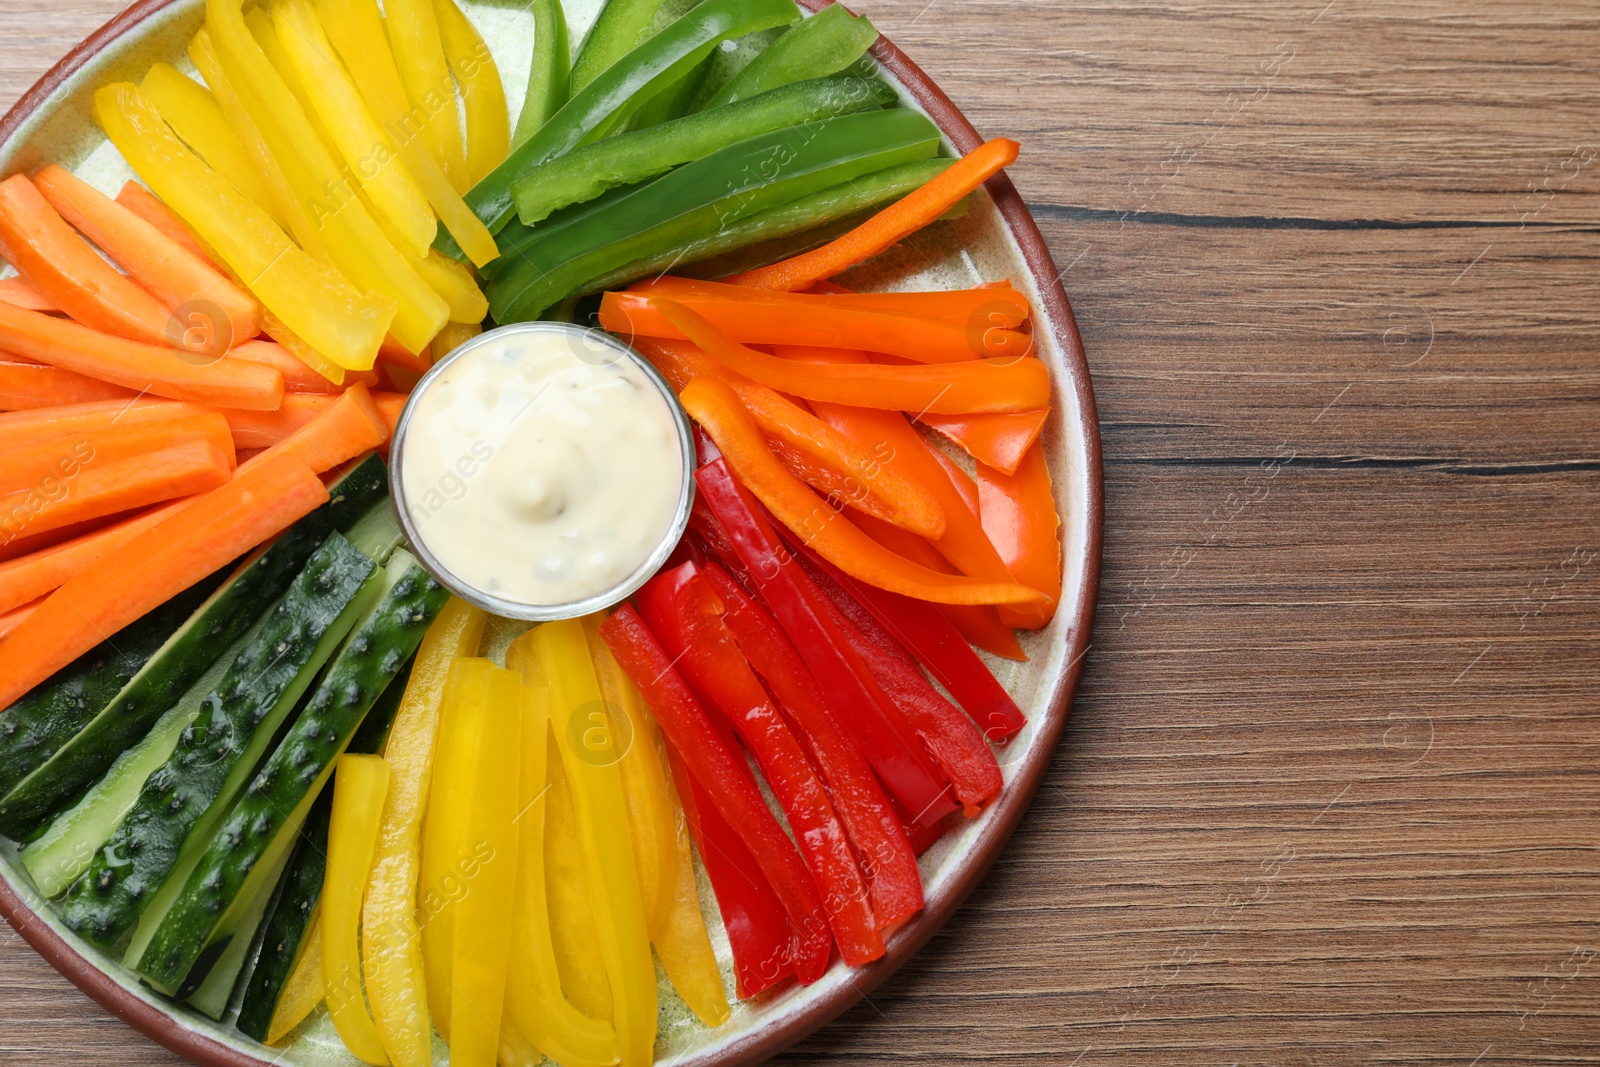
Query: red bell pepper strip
(727, 780)
(685, 613)
(933, 640)
(956, 744)
(758, 928)
(880, 841)
(900, 760)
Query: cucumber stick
(289, 920)
(262, 825)
(181, 799)
(212, 996)
(185, 655)
(377, 533)
(34, 728)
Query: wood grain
(1331, 794)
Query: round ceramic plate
(996, 239)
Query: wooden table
(1330, 794)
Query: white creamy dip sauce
(541, 468)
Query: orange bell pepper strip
(974, 385)
(1019, 514)
(905, 216)
(816, 320)
(814, 452)
(1002, 307)
(717, 409)
(999, 440)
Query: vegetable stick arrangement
(250, 748)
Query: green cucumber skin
(371, 658)
(707, 195)
(287, 924)
(33, 729)
(107, 899)
(632, 157)
(218, 623)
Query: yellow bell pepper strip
(644, 786)
(451, 280)
(356, 30)
(303, 991)
(715, 407)
(558, 651)
(267, 39)
(419, 55)
(284, 204)
(392, 941)
(814, 452)
(482, 95)
(481, 951)
(448, 865)
(574, 935)
(683, 944)
(973, 385)
(355, 243)
(196, 117)
(354, 130)
(453, 336)
(540, 1019)
(360, 783)
(310, 298)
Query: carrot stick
(395, 354)
(181, 280)
(820, 321)
(350, 426)
(1019, 515)
(88, 490)
(390, 405)
(13, 618)
(905, 216)
(999, 440)
(142, 367)
(263, 429)
(142, 202)
(18, 291)
(30, 386)
(161, 562)
(1003, 308)
(29, 466)
(62, 266)
(19, 429)
(972, 385)
(297, 376)
(29, 577)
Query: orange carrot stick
(19, 429)
(29, 386)
(349, 427)
(27, 467)
(17, 291)
(1004, 307)
(390, 405)
(142, 202)
(161, 562)
(88, 490)
(263, 429)
(821, 321)
(13, 618)
(181, 280)
(1000, 440)
(142, 367)
(715, 407)
(905, 216)
(67, 272)
(297, 376)
(29, 577)
(972, 385)
(395, 354)
(1019, 515)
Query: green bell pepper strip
(621, 26)
(633, 157)
(674, 101)
(550, 76)
(704, 196)
(611, 97)
(843, 202)
(826, 43)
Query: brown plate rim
(766, 1041)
